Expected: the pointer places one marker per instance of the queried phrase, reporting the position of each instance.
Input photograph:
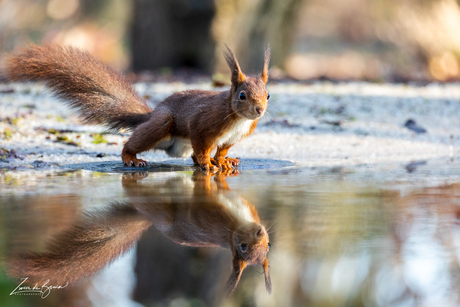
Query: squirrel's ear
(264, 75)
(268, 281)
(238, 265)
(237, 75)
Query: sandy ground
(320, 124)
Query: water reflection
(193, 211)
(383, 249)
(337, 240)
(200, 213)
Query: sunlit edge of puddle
(404, 175)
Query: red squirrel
(201, 215)
(208, 217)
(188, 123)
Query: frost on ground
(320, 124)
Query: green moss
(62, 138)
(15, 121)
(60, 119)
(7, 134)
(52, 131)
(99, 139)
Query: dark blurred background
(374, 40)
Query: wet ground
(104, 235)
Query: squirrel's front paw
(225, 164)
(234, 161)
(221, 163)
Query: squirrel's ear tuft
(237, 75)
(268, 281)
(238, 265)
(264, 75)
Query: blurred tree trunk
(248, 26)
(178, 33)
(172, 33)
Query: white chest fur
(237, 207)
(235, 133)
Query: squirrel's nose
(259, 110)
(260, 232)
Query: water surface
(379, 235)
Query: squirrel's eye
(242, 96)
(243, 247)
(269, 245)
(268, 96)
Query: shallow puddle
(382, 235)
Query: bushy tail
(86, 84)
(83, 250)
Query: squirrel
(201, 216)
(207, 217)
(188, 123)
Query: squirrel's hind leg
(146, 136)
(132, 160)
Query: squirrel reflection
(193, 212)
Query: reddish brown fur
(203, 220)
(264, 75)
(84, 249)
(97, 92)
(199, 220)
